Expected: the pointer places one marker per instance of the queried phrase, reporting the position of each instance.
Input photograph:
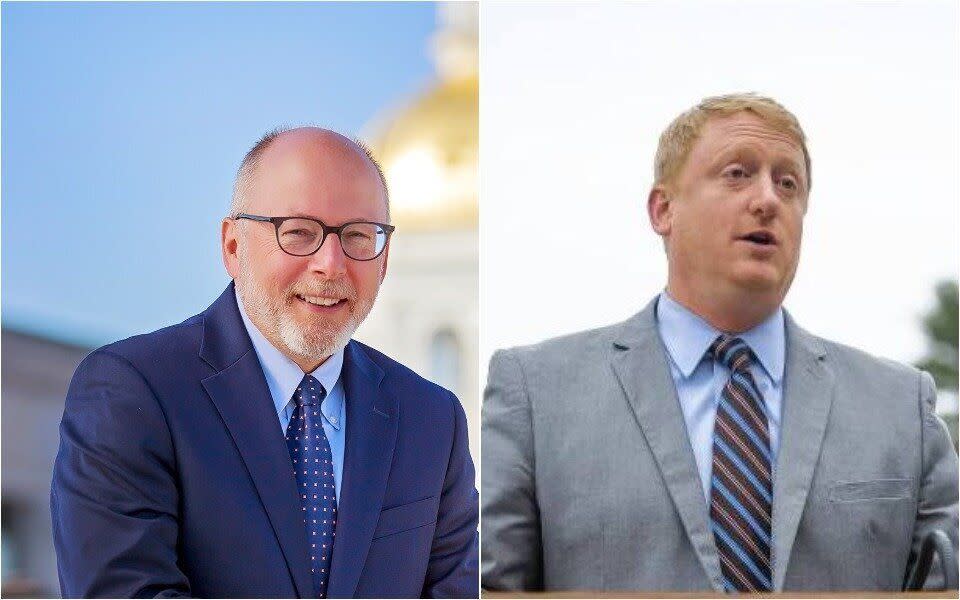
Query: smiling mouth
(321, 300)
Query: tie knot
(309, 392)
(732, 352)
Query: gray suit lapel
(640, 363)
(807, 396)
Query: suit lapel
(640, 364)
(243, 400)
(807, 396)
(372, 421)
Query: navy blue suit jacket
(173, 477)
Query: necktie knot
(732, 352)
(309, 392)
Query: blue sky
(123, 125)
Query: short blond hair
(679, 137)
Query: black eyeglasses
(302, 236)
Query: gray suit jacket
(589, 481)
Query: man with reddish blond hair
(678, 138)
(708, 442)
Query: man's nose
(766, 198)
(329, 259)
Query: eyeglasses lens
(360, 241)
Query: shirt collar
(284, 376)
(688, 337)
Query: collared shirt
(699, 380)
(284, 376)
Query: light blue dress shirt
(699, 380)
(284, 376)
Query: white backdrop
(574, 98)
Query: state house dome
(428, 146)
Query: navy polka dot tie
(313, 468)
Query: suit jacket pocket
(407, 516)
(876, 489)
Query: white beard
(314, 342)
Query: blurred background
(122, 128)
(574, 100)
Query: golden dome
(429, 147)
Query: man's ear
(228, 246)
(660, 210)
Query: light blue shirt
(284, 376)
(699, 380)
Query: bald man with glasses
(255, 450)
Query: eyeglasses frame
(326, 229)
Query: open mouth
(321, 301)
(763, 238)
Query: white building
(427, 314)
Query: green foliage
(941, 326)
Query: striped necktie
(313, 469)
(741, 488)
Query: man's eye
(736, 172)
(298, 232)
(788, 182)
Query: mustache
(338, 288)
